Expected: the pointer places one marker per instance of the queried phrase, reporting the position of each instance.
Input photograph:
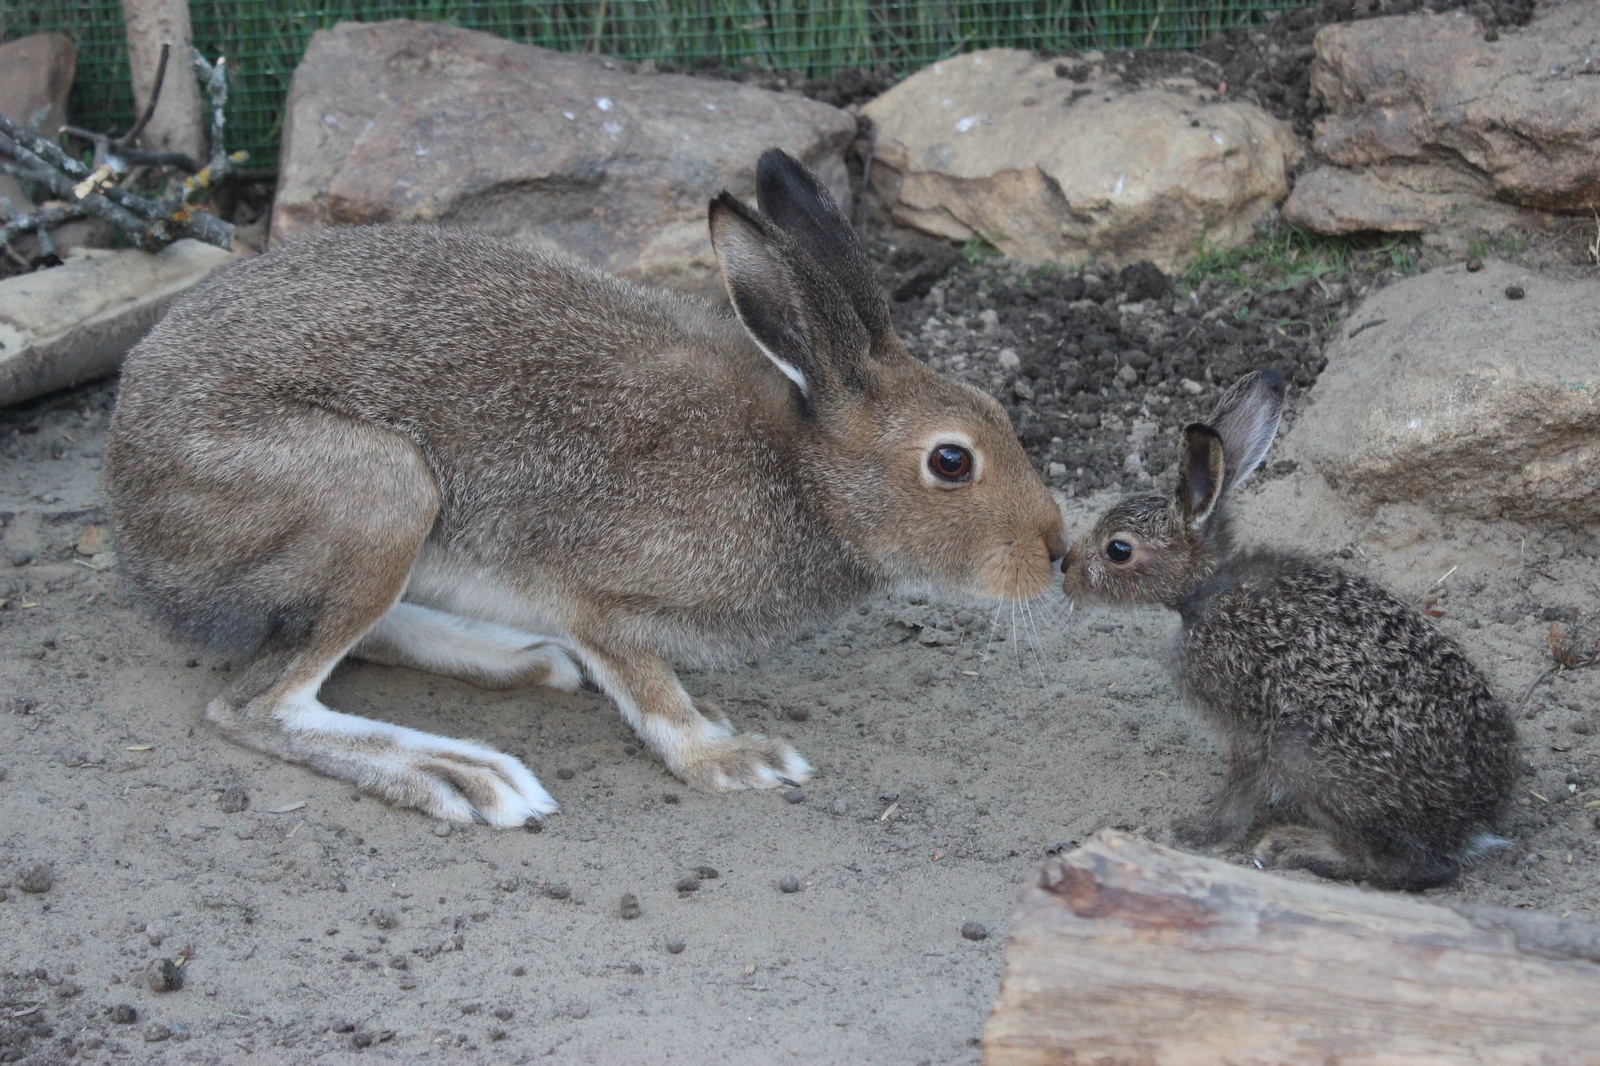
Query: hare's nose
(1056, 545)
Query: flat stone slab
(1447, 392)
(74, 323)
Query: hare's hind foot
(486, 654)
(1293, 847)
(456, 780)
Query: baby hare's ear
(789, 306)
(1201, 474)
(799, 204)
(1247, 419)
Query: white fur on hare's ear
(1202, 474)
(791, 309)
(1246, 419)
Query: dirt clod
(35, 877)
(1515, 292)
(163, 975)
(706, 873)
(674, 946)
(974, 931)
(788, 884)
(629, 907)
(124, 1014)
(233, 800)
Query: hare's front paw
(720, 762)
(1296, 847)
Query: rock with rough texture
(35, 77)
(417, 122)
(1425, 116)
(1062, 163)
(1447, 392)
(75, 322)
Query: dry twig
(102, 190)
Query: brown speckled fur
(1342, 710)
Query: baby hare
(440, 449)
(1342, 710)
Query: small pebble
(629, 907)
(35, 877)
(669, 797)
(1474, 264)
(974, 931)
(399, 962)
(1515, 292)
(675, 946)
(577, 1010)
(163, 975)
(503, 1013)
(706, 873)
(19, 556)
(566, 775)
(361, 1039)
(688, 884)
(795, 795)
(519, 971)
(383, 918)
(442, 829)
(124, 1014)
(558, 891)
(789, 884)
(157, 1033)
(797, 714)
(234, 799)
(841, 807)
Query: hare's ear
(1201, 474)
(799, 204)
(1247, 419)
(790, 308)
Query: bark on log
(1127, 952)
(178, 124)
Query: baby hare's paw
(721, 761)
(1296, 847)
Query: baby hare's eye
(950, 462)
(1119, 551)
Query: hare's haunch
(440, 449)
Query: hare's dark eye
(950, 462)
(1119, 551)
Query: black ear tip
(776, 160)
(725, 203)
(1272, 381)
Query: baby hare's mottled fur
(439, 449)
(1342, 710)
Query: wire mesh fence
(264, 39)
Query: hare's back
(406, 307)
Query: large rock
(1064, 162)
(1446, 392)
(74, 323)
(417, 122)
(1427, 117)
(35, 77)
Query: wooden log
(1126, 952)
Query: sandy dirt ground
(956, 746)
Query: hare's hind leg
(1294, 847)
(480, 652)
(707, 755)
(348, 507)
